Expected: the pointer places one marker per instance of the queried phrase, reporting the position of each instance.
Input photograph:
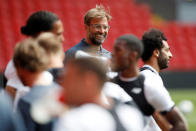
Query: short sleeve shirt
(155, 92)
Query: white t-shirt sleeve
(156, 94)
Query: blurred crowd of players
(87, 88)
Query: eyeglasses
(99, 26)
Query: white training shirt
(155, 92)
(91, 117)
(115, 91)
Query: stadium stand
(128, 17)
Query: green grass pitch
(186, 94)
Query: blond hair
(50, 43)
(34, 54)
(30, 56)
(98, 12)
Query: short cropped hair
(94, 65)
(133, 43)
(152, 40)
(98, 12)
(30, 56)
(50, 43)
(38, 22)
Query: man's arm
(157, 95)
(162, 122)
(176, 119)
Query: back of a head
(152, 40)
(40, 21)
(50, 43)
(93, 65)
(98, 12)
(133, 43)
(30, 56)
(54, 48)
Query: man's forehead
(120, 43)
(165, 44)
(58, 27)
(102, 20)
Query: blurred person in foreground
(156, 57)
(37, 23)
(82, 83)
(109, 89)
(31, 59)
(49, 42)
(96, 28)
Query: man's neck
(99, 101)
(40, 79)
(154, 64)
(96, 47)
(31, 79)
(130, 72)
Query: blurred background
(176, 18)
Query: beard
(162, 62)
(95, 40)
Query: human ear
(156, 52)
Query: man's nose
(170, 55)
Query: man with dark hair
(96, 27)
(82, 84)
(156, 57)
(133, 47)
(155, 44)
(144, 91)
(37, 23)
(43, 21)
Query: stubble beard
(96, 41)
(162, 62)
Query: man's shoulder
(37, 91)
(80, 46)
(149, 74)
(74, 48)
(91, 111)
(23, 105)
(86, 117)
(106, 51)
(146, 70)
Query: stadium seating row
(128, 17)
